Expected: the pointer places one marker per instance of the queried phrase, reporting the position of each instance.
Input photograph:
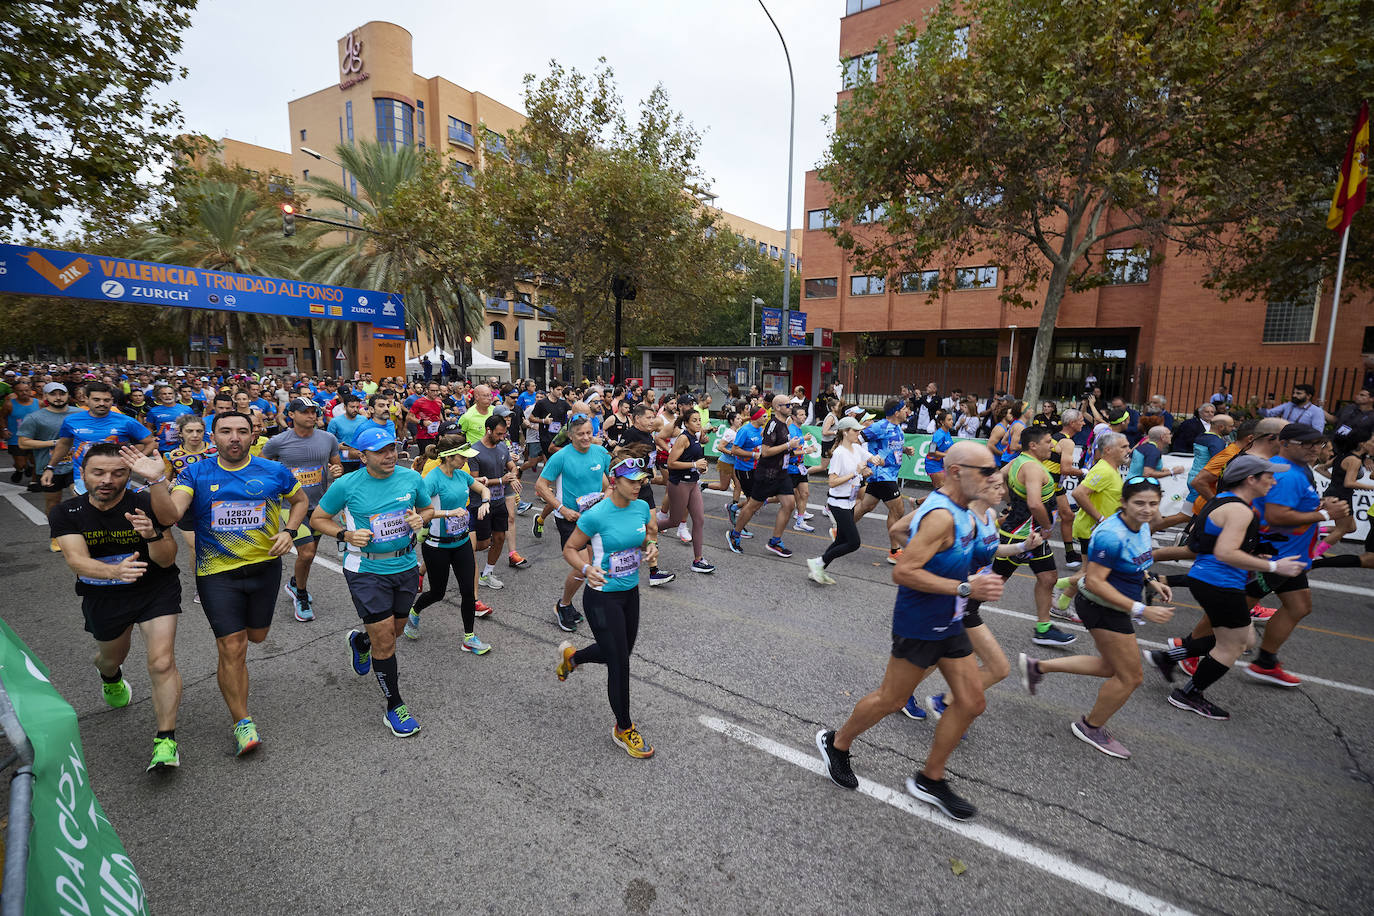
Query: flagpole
(1335, 307)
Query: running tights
(614, 618)
(438, 562)
(846, 535)
(685, 498)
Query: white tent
(482, 364)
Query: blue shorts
(380, 596)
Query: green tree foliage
(77, 121)
(1039, 133)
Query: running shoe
(808, 516)
(633, 742)
(362, 658)
(565, 666)
(401, 723)
(732, 538)
(799, 524)
(1029, 669)
(1053, 637)
(733, 510)
(300, 601)
(659, 577)
(1196, 702)
(475, 646)
(937, 706)
(938, 793)
(517, 561)
(490, 580)
(1275, 675)
(816, 572)
(118, 694)
(246, 737)
(537, 529)
(482, 608)
(17, 476)
(684, 534)
(893, 555)
(1099, 738)
(412, 630)
(912, 709)
(522, 508)
(1072, 559)
(1066, 614)
(1259, 614)
(1161, 661)
(701, 566)
(1062, 600)
(836, 761)
(778, 547)
(564, 614)
(745, 534)
(164, 754)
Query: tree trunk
(1044, 335)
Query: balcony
(522, 309)
(497, 305)
(462, 137)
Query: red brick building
(1156, 331)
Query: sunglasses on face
(986, 470)
(1150, 480)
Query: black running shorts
(924, 653)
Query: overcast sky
(719, 60)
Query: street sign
(552, 352)
(339, 354)
(553, 337)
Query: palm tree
(229, 230)
(379, 258)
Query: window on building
(857, 6)
(822, 287)
(395, 123)
(1127, 265)
(867, 286)
(302, 134)
(460, 132)
(961, 41)
(975, 277)
(494, 142)
(773, 252)
(966, 346)
(498, 331)
(819, 219)
(464, 172)
(859, 68)
(763, 248)
(348, 119)
(874, 214)
(517, 330)
(420, 123)
(920, 281)
(1290, 321)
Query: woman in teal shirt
(448, 545)
(612, 540)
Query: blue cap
(373, 439)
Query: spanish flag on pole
(1349, 196)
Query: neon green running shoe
(164, 754)
(117, 695)
(246, 736)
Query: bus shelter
(715, 370)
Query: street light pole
(791, 135)
(753, 338)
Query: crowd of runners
(420, 485)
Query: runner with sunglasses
(1109, 604)
(573, 480)
(612, 539)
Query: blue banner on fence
(30, 271)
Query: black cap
(301, 404)
(1301, 432)
(449, 428)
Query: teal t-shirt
(577, 476)
(447, 492)
(617, 540)
(378, 505)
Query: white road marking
(1034, 856)
(15, 496)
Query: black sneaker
(1166, 665)
(1196, 702)
(567, 617)
(836, 761)
(1072, 560)
(938, 793)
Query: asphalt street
(513, 798)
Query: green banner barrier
(76, 862)
(913, 466)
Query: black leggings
(614, 618)
(438, 560)
(846, 535)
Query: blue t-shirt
(1125, 553)
(17, 414)
(888, 439)
(1205, 446)
(236, 513)
(616, 537)
(1207, 568)
(918, 615)
(267, 407)
(793, 462)
(163, 420)
(985, 550)
(747, 438)
(1294, 488)
(942, 441)
(447, 492)
(1145, 455)
(85, 430)
(525, 400)
(577, 476)
(379, 505)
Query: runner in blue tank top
(936, 568)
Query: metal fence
(880, 377)
(1188, 386)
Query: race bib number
(309, 477)
(238, 515)
(112, 561)
(432, 427)
(587, 501)
(456, 525)
(498, 490)
(389, 526)
(625, 563)
(554, 426)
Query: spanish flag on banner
(1349, 196)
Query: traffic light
(466, 356)
(288, 220)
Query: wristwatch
(964, 590)
(340, 537)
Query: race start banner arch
(28, 271)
